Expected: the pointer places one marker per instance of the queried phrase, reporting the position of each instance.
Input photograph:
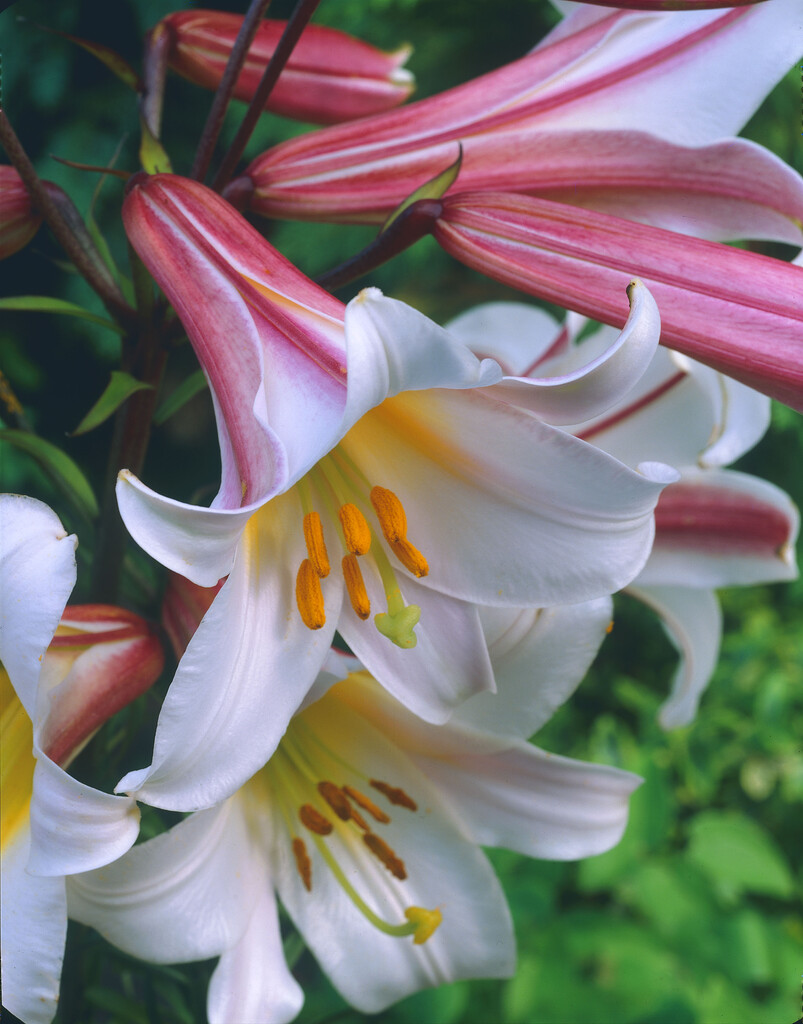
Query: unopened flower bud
(18, 222)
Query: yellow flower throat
(337, 485)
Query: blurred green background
(695, 917)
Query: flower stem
(217, 112)
(304, 10)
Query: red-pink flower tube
(18, 222)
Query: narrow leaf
(46, 304)
(432, 189)
(57, 464)
(188, 389)
(152, 154)
(113, 61)
(119, 388)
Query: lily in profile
(367, 824)
(373, 481)
(63, 673)
(330, 77)
(715, 527)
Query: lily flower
(330, 77)
(361, 476)
(623, 112)
(367, 823)
(18, 222)
(56, 690)
(738, 312)
(714, 527)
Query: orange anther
(380, 849)
(390, 513)
(355, 585)
(316, 545)
(309, 596)
(314, 820)
(356, 530)
(395, 794)
(367, 804)
(410, 557)
(303, 863)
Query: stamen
(309, 596)
(410, 557)
(395, 794)
(367, 804)
(355, 585)
(336, 799)
(426, 922)
(356, 530)
(316, 545)
(314, 820)
(303, 863)
(390, 513)
(380, 849)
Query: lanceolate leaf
(119, 388)
(184, 392)
(58, 464)
(432, 189)
(113, 61)
(45, 304)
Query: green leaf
(46, 304)
(120, 387)
(432, 189)
(152, 153)
(738, 854)
(113, 61)
(58, 464)
(188, 389)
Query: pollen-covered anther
(355, 586)
(336, 799)
(309, 596)
(380, 849)
(316, 545)
(390, 513)
(395, 794)
(314, 820)
(303, 863)
(410, 557)
(356, 531)
(367, 804)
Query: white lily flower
(367, 822)
(51, 701)
(714, 527)
(340, 427)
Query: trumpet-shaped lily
(330, 76)
(18, 222)
(627, 113)
(738, 312)
(56, 691)
(369, 469)
(367, 823)
(714, 527)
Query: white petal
(198, 543)
(34, 912)
(693, 622)
(507, 510)
(252, 982)
(448, 664)
(37, 567)
(539, 658)
(245, 672)
(537, 803)
(515, 334)
(719, 528)
(596, 386)
(185, 895)
(369, 968)
(744, 417)
(75, 827)
(391, 347)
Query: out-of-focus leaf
(121, 1009)
(188, 389)
(113, 61)
(46, 304)
(737, 853)
(120, 387)
(152, 153)
(58, 464)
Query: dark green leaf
(46, 304)
(188, 389)
(120, 387)
(58, 464)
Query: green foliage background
(695, 917)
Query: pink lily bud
(330, 77)
(18, 222)
(183, 607)
(100, 659)
(736, 311)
